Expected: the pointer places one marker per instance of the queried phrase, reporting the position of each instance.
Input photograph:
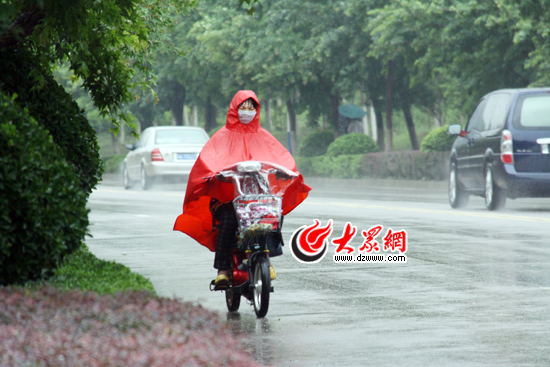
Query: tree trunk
(122, 138)
(379, 124)
(389, 93)
(209, 115)
(438, 111)
(366, 117)
(114, 141)
(373, 122)
(22, 27)
(185, 115)
(291, 127)
(178, 118)
(176, 100)
(268, 114)
(195, 115)
(404, 92)
(334, 103)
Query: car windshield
(180, 136)
(533, 111)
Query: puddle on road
(255, 335)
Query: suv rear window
(532, 112)
(180, 136)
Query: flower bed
(50, 327)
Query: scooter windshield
(258, 178)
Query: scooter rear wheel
(262, 286)
(232, 300)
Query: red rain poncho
(233, 143)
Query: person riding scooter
(208, 214)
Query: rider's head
(248, 105)
(247, 111)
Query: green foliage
(438, 140)
(113, 163)
(108, 44)
(354, 143)
(54, 110)
(82, 270)
(43, 214)
(316, 144)
(466, 48)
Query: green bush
(43, 214)
(55, 110)
(354, 143)
(305, 165)
(316, 144)
(438, 140)
(113, 163)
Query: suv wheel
(458, 197)
(495, 197)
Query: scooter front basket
(261, 211)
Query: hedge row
(51, 327)
(410, 165)
(343, 166)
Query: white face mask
(246, 116)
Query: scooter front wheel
(261, 286)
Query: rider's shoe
(243, 266)
(221, 282)
(272, 272)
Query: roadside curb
(112, 179)
(358, 183)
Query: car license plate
(186, 156)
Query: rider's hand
(282, 175)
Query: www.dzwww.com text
(369, 258)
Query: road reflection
(255, 334)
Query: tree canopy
(312, 55)
(433, 54)
(107, 44)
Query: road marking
(522, 218)
(432, 211)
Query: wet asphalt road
(475, 290)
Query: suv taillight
(506, 147)
(156, 156)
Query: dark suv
(503, 150)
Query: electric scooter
(259, 189)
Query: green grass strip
(85, 272)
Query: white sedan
(162, 151)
